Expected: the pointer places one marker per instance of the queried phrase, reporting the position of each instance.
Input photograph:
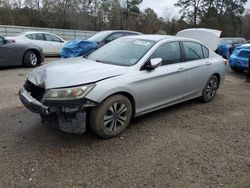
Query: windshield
(123, 51)
(98, 37)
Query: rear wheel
(112, 117)
(210, 89)
(30, 59)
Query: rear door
(39, 40)
(197, 65)
(8, 54)
(54, 44)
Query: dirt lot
(187, 145)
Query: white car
(50, 43)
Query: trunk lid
(209, 37)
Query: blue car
(77, 48)
(227, 45)
(239, 59)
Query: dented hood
(73, 72)
(209, 37)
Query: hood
(72, 72)
(209, 37)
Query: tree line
(226, 15)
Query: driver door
(165, 84)
(7, 53)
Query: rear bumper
(32, 104)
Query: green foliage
(225, 15)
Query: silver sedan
(128, 77)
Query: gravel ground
(187, 145)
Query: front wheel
(30, 59)
(112, 117)
(210, 89)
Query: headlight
(68, 93)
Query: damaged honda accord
(126, 78)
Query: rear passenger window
(169, 52)
(39, 36)
(35, 36)
(205, 52)
(192, 51)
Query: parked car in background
(78, 47)
(128, 77)
(239, 59)
(11, 54)
(50, 43)
(104, 37)
(227, 45)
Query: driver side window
(114, 36)
(169, 52)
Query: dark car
(12, 54)
(227, 45)
(77, 48)
(104, 37)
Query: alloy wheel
(33, 59)
(212, 88)
(115, 117)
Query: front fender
(105, 89)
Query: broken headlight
(68, 93)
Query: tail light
(13, 40)
(225, 61)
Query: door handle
(208, 63)
(181, 69)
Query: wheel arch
(129, 96)
(36, 52)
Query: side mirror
(152, 64)
(156, 62)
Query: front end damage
(70, 115)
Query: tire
(30, 59)
(210, 89)
(111, 117)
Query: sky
(163, 7)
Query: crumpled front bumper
(31, 103)
(71, 115)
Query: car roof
(33, 32)
(157, 38)
(117, 31)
